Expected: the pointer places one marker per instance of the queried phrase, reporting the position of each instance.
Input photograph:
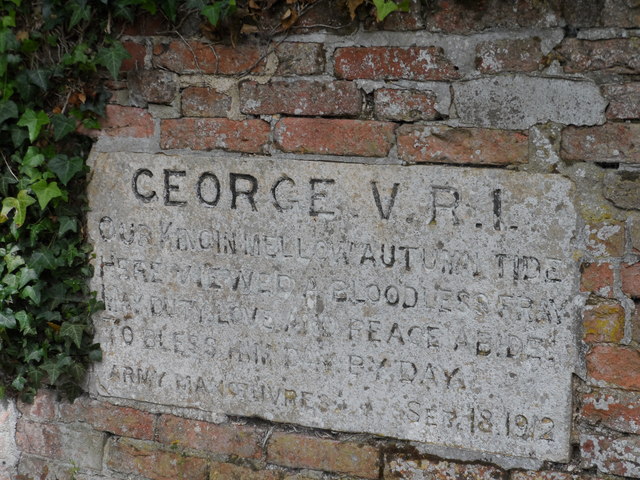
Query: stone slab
(427, 303)
(519, 102)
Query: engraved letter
(171, 187)
(216, 186)
(384, 213)
(314, 209)
(146, 198)
(253, 181)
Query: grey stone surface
(8, 450)
(426, 303)
(519, 102)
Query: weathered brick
(478, 146)
(147, 459)
(301, 97)
(43, 406)
(621, 13)
(199, 57)
(622, 188)
(389, 63)
(228, 471)
(153, 86)
(630, 276)
(603, 322)
(423, 469)
(617, 456)
(248, 136)
(634, 231)
(405, 105)
(138, 52)
(614, 409)
(226, 439)
(297, 58)
(582, 13)
(204, 102)
(127, 122)
(605, 239)
(298, 451)
(461, 16)
(616, 365)
(510, 55)
(624, 100)
(617, 55)
(103, 416)
(335, 137)
(597, 278)
(612, 142)
(62, 443)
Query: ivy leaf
(46, 192)
(55, 368)
(385, 7)
(6, 179)
(112, 58)
(64, 167)
(77, 371)
(8, 109)
(19, 383)
(43, 259)
(25, 323)
(34, 121)
(25, 276)
(72, 331)
(32, 293)
(80, 11)
(39, 77)
(20, 204)
(13, 261)
(62, 126)
(67, 224)
(34, 356)
(7, 319)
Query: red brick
(439, 470)
(603, 322)
(614, 409)
(511, 55)
(228, 471)
(612, 142)
(127, 122)
(296, 58)
(153, 86)
(617, 456)
(137, 51)
(335, 137)
(227, 439)
(248, 136)
(597, 278)
(298, 451)
(478, 146)
(389, 63)
(43, 406)
(621, 13)
(618, 55)
(204, 102)
(605, 239)
(462, 16)
(58, 442)
(301, 97)
(148, 460)
(616, 365)
(630, 275)
(624, 101)
(103, 416)
(199, 57)
(635, 322)
(405, 105)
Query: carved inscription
(426, 303)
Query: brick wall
(536, 86)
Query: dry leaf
(248, 29)
(22, 35)
(288, 19)
(353, 6)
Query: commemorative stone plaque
(419, 302)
